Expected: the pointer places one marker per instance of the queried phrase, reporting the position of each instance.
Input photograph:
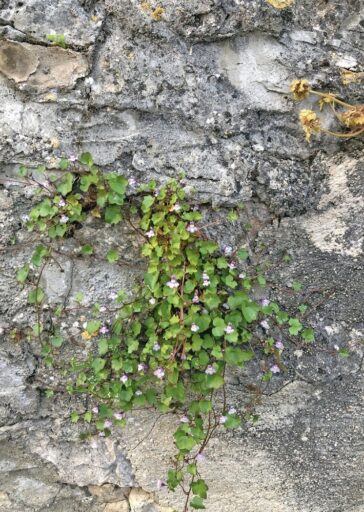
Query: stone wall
(203, 90)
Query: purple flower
(173, 283)
(232, 410)
(150, 233)
(265, 302)
(156, 347)
(275, 368)
(102, 309)
(184, 419)
(25, 218)
(160, 484)
(113, 295)
(124, 379)
(64, 219)
(104, 330)
(196, 298)
(200, 457)
(118, 415)
(279, 345)
(95, 410)
(101, 434)
(210, 370)
(132, 181)
(229, 329)
(152, 301)
(176, 208)
(206, 283)
(62, 203)
(222, 419)
(107, 424)
(228, 250)
(232, 265)
(265, 325)
(141, 367)
(159, 372)
(191, 228)
(138, 392)
(194, 328)
(242, 275)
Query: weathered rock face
(205, 91)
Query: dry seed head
(300, 89)
(310, 123)
(280, 4)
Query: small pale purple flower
(138, 392)
(275, 368)
(279, 345)
(265, 302)
(228, 250)
(222, 419)
(118, 415)
(25, 218)
(159, 373)
(107, 424)
(102, 309)
(95, 410)
(104, 330)
(229, 329)
(62, 203)
(64, 219)
(232, 410)
(210, 370)
(124, 379)
(196, 298)
(176, 208)
(113, 295)
(73, 158)
(232, 265)
(200, 457)
(132, 181)
(206, 282)
(160, 484)
(184, 419)
(265, 325)
(101, 434)
(242, 275)
(150, 233)
(152, 301)
(141, 367)
(191, 228)
(195, 328)
(173, 283)
(156, 347)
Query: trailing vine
(192, 316)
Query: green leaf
(250, 313)
(93, 326)
(103, 346)
(197, 503)
(232, 421)
(112, 255)
(296, 286)
(243, 254)
(183, 441)
(23, 171)
(302, 308)
(113, 214)
(118, 183)
(295, 326)
(148, 201)
(63, 164)
(87, 181)
(199, 487)
(74, 417)
(219, 326)
(65, 187)
(214, 381)
(87, 417)
(308, 335)
(86, 159)
(57, 341)
(40, 169)
(37, 257)
(22, 274)
(98, 364)
(232, 216)
(237, 356)
(87, 250)
(36, 296)
(344, 353)
(57, 39)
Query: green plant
(57, 40)
(191, 317)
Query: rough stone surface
(204, 91)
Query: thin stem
(334, 98)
